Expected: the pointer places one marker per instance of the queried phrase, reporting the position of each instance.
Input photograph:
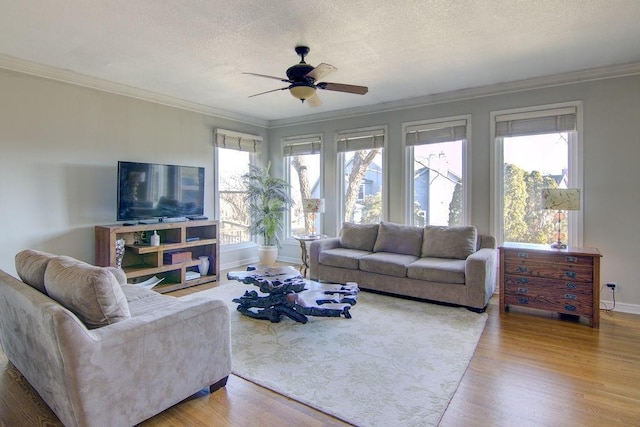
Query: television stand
(149, 221)
(177, 257)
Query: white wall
(60, 145)
(611, 171)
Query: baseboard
(621, 307)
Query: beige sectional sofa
(453, 265)
(101, 352)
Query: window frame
(370, 131)
(295, 140)
(575, 219)
(408, 153)
(244, 142)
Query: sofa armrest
(315, 248)
(131, 370)
(480, 277)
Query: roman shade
(536, 122)
(361, 140)
(237, 141)
(431, 133)
(300, 146)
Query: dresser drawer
(534, 284)
(580, 306)
(554, 258)
(573, 272)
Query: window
(436, 172)
(234, 153)
(535, 149)
(302, 171)
(361, 160)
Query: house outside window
(302, 166)
(361, 161)
(234, 153)
(436, 153)
(535, 149)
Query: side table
(303, 239)
(565, 281)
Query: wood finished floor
(528, 370)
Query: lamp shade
(561, 199)
(313, 205)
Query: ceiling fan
(304, 79)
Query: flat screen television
(149, 190)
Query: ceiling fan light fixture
(302, 92)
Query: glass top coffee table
(282, 291)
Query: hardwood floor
(528, 370)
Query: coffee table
(283, 292)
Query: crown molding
(71, 77)
(573, 77)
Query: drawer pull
(522, 280)
(523, 255)
(522, 269)
(571, 259)
(523, 300)
(570, 285)
(571, 274)
(523, 290)
(570, 307)
(570, 296)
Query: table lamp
(560, 199)
(313, 207)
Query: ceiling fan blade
(314, 101)
(339, 87)
(269, 91)
(270, 77)
(320, 71)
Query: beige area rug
(396, 362)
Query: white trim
(53, 73)
(78, 79)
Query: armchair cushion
(91, 293)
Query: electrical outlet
(612, 285)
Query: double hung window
(302, 160)
(535, 149)
(234, 153)
(362, 185)
(436, 172)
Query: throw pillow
(449, 242)
(91, 293)
(399, 239)
(31, 265)
(358, 236)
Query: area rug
(396, 362)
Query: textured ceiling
(196, 50)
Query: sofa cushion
(31, 265)
(399, 239)
(449, 242)
(91, 293)
(387, 263)
(358, 236)
(438, 270)
(342, 257)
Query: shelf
(143, 260)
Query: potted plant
(267, 199)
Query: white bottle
(155, 239)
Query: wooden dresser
(566, 281)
